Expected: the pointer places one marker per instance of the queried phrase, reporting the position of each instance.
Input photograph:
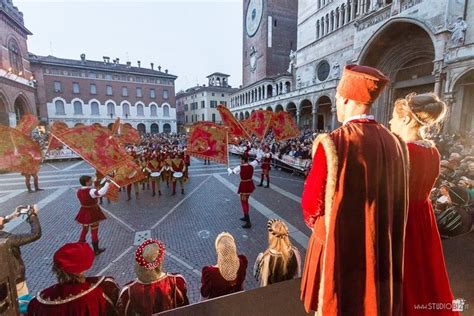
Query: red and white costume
(90, 211)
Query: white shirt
(236, 170)
(359, 117)
(94, 193)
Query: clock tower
(270, 28)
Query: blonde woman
(281, 261)
(228, 275)
(425, 276)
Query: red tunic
(97, 296)
(168, 292)
(266, 163)
(214, 285)
(246, 185)
(425, 277)
(355, 199)
(154, 165)
(90, 211)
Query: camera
(25, 210)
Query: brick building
(17, 91)
(200, 102)
(86, 92)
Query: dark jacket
(18, 240)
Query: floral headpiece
(143, 262)
(273, 232)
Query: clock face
(254, 16)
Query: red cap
(361, 83)
(74, 258)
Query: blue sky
(191, 38)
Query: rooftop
(218, 74)
(205, 88)
(105, 65)
(15, 15)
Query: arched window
(126, 109)
(343, 14)
(95, 108)
(15, 56)
(77, 108)
(110, 109)
(318, 29)
(59, 105)
(322, 27)
(153, 110)
(166, 110)
(140, 111)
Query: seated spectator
(75, 294)
(154, 290)
(281, 261)
(18, 240)
(228, 275)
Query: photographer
(18, 240)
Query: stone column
(348, 14)
(298, 116)
(264, 92)
(339, 18)
(315, 118)
(322, 27)
(353, 9)
(333, 117)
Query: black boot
(247, 224)
(97, 250)
(182, 191)
(243, 219)
(154, 193)
(261, 182)
(28, 186)
(268, 183)
(159, 192)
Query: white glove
(229, 171)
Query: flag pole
(227, 142)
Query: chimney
(129, 64)
(152, 65)
(83, 57)
(139, 63)
(118, 60)
(106, 59)
(166, 71)
(159, 68)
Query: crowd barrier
(285, 162)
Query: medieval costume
(90, 213)
(266, 166)
(229, 274)
(154, 291)
(155, 165)
(28, 177)
(425, 278)
(178, 166)
(97, 184)
(89, 296)
(246, 186)
(281, 261)
(355, 202)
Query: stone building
(421, 45)
(86, 92)
(200, 102)
(17, 89)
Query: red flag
(207, 140)
(18, 152)
(95, 146)
(236, 130)
(284, 126)
(128, 173)
(56, 127)
(115, 126)
(259, 122)
(128, 135)
(27, 123)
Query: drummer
(154, 167)
(178, 168)
(166, 174)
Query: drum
(454, 221)
(178, 175)
(155, 174)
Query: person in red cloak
(75, 294)
(154, 290)
(90, 213)
(355, 202)
(425, 279)
(246, 186)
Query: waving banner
(129, 173)
(57, 127)
(207, 140)
(259, 123)
(95, 146)
(128, 135)
(284, 126)
(18, 152)
(236, 130)
(27, 123)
